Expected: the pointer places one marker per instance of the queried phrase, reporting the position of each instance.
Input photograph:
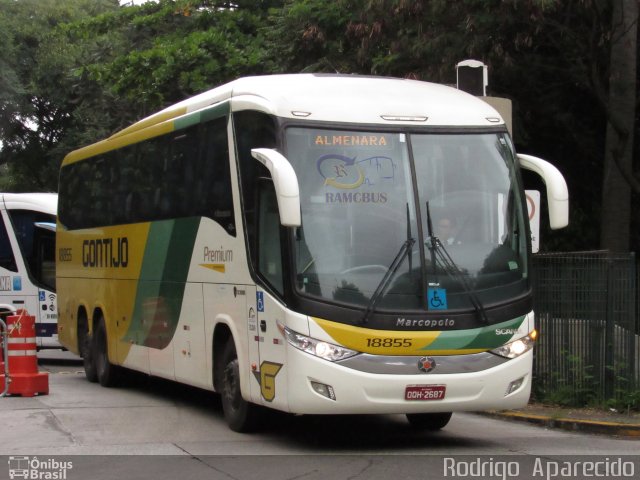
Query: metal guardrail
(587, 311)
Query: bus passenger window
(212, 186)
(35, 233)
(7, 259)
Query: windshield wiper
(409, 235)
(440, 255)
(405, 248)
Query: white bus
(27, 259)
(277, 240)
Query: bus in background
(27, 259)
(280, 240)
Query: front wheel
(429, 421)
(241, 416)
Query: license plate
(425, 392)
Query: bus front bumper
(505, 385)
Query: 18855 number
(376, 342)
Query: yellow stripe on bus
(150, 121)
(118, 142)
(218, 267)
(383, 342)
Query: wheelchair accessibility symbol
(260, 301)
(437, 298)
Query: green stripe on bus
(483, 338)
(161, 286)
(201, 116)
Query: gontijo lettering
(106, 253)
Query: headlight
(517, 347)
(318, 348)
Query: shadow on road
(313, 433)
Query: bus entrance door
(268, 369)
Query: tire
(87, 352)
(106, 373)
(240, 415)
(429, 421)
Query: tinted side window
(7, 260)
(213, 180)
(37, 242)
(183, 174)
(258, 130)
(269, 245)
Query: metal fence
(587, 313)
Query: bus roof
(327, 98)
(39, 202)
(345, 98)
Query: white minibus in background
(27, 259)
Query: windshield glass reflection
(360, 210)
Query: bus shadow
(315, 433)
(347, 433)
(48, 357)
(187, 395)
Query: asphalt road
(151, 428)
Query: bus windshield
(408, 221)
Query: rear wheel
(429, 421)
(106, 372)
(87, 352)
(241, 416)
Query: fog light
(515, 385)
(324, 390)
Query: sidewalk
(576, 419)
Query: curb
(573, 424)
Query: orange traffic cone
(23, 362)
(2, 380)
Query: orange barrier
(25, 380)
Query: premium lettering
(218, 255)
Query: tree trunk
(618, 165)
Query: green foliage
(73, 71)
(626, 395)
(84, 68)
(579, 386)
(551, 58)
(34, 107)
(194, 55)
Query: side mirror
(557, 192)
(285, 182)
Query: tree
(33, 117)
(551, 58)
(73, 71)
(91, 67)
(619, 178)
